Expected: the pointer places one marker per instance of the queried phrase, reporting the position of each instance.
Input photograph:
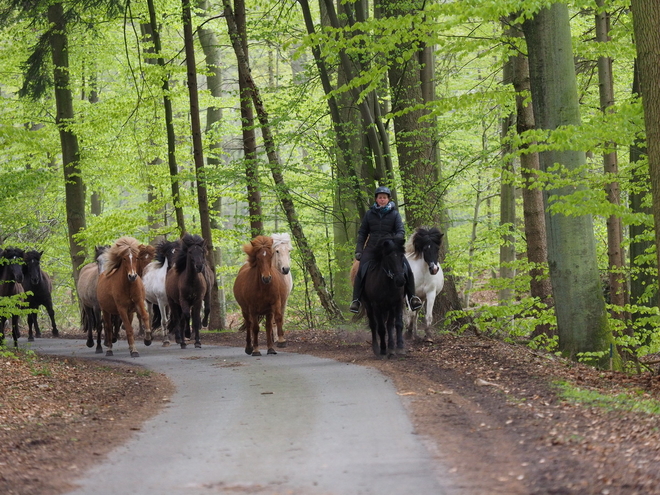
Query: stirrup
(355, 306)
(415, 303)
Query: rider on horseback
(381, 219)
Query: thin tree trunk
(213, 55)
(646, 24)
(579, 303)
(615, 254)
(73, 183)
(169, 124)
(282, 190)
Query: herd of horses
(169, 286)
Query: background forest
(515, 127)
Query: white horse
(282, 263)
(422, 251)
(153, 279)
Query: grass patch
(628, 401)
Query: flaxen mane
(118, 250)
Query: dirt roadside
(489, 410)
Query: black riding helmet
(383, 190)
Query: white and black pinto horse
(423, 251)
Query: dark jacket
(377, 224)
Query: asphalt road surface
(286, 424)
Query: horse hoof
(135, 354)
(30, 339)
(109, 353)
(147, 342)
(183, 345)
(114, 340)
(281, 344)
(166, 344)
(90, 343)
(272, 351)
(256, 353)
(248, 351)
(56, 332)
(198, 345)
(99, 350)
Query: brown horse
(260, 294)
(90, 313)
(120, 292)
(186, 288)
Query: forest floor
(495, 413)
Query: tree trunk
(579, 303)
(615, 254)
(213, 55)
(533, 210)
(646, 24)
(169, 123)
(281, 188)
(73, 183)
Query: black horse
(38, 282)
(11, 280)
(382, 296)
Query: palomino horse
(423, 251)
(120, 292)
(260, 294)
(38, 282)
(282, 264)
(11, 280)
(186, 288)
(90, 316)
(382, 296)
(154, 277)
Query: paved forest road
(285, 424)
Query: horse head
(389, 253)
(425, 243)
(32, 267)
(101, 257)
(193, 252)
(124, 254)
(13, 262)
(260, 256)
(282, 253)
(146, 253)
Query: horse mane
(421, 237)
(12, 252)
(258, 243)
(382, 247)
(146, 249)
(163, 250)
(186, 242)
(33, 254)
(118, 250)
(279, 239)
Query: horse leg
(35, 321)
(16, 333)
(108, 325)
(373, 325)
(281, 341)
(162, 310)
(126, 318)
(143, 318)
(255, 335)
(398, 327)
(96, 323)
(30, 319)
(3, 320)
(269, 334)
(428, 317)
(248, 333)
(197, 323)
(389, 329)
(185, 319)
(51, 315)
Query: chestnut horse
(120, 292)
(38, 282)
(260, 294)
(11, 280)
(186, 288)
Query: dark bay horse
(39, 283)
(423, 253)
(11, 280)
(186, 287)
(382, 296)
(120, 292)
(260, 294)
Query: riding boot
(357, 291)
(414, 301)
